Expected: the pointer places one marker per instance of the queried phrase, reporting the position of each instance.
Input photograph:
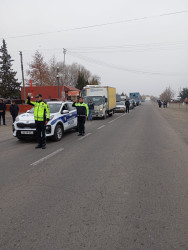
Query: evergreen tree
(9, 85)
(81, 82)
(183, 94)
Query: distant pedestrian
(127, 105)
(165, 104)
(91, 108)
(82, 114)
(2, 111)
(14, 110)
(159, 103)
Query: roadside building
(51, 92)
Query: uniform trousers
(41, 132)
(2, 114)
(81, 124)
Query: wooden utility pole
(21, 59)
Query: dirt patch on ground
(177, 118)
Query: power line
(88, 49)
(92, 60)
(100, 25)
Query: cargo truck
(136, 97)
(103, 98)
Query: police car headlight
(51, 117)
(17, 119)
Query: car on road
(63, 117)
(132, 104)
(120, 107)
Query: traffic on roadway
(123, 185)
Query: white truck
(103, 98)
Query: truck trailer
(103, 98)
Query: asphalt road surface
(122, 186)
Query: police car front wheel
(58, 133)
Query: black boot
(38, 146)
(43, 146)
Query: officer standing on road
(82, 114)
(2, 111)
(42, 116)
(127, 104)
(14, 110)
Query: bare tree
(94, 80)
(167, 94)
(53, 71)
(39, 70)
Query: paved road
(122, 186)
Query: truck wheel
(58, 133)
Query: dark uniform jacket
(14, 109)
(3, 107)
(127, 103)
(82, 108)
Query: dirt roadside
(6, 131)
(177, 119)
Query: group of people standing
(14, 110)
(164, 103)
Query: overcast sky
(145, 55)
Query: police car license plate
(27, 132)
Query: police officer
(42, 116)
(82, 114)
(127, 104)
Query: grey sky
(153, 45)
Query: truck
(103, 98)
(136, 96)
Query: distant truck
(103, 98)
(136, 96)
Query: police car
(63, 117)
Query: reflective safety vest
(41, 110)
(82, 109)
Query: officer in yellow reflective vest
(42, 116)
(82, 114)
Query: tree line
(168, 94)
(41, 73)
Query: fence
(178, 106)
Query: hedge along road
(123, 186)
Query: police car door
(65, 116)
(73, 115)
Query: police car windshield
(54, 107)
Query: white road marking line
(46, 157)
(116, 118)
(84, 137)
(101, 126)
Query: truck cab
(103, 98)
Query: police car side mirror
(64, 112)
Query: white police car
(63, 117)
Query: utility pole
(58, 82)
(22, 73)
(64, 52)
